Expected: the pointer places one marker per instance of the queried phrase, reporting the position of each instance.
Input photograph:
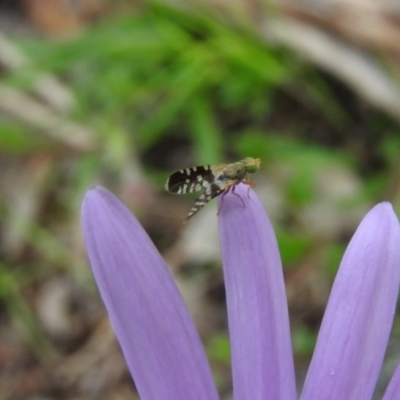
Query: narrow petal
(154, 329)
(359, 316)
(393, 390)
(262, 360)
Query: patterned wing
(213, 190)
(190, 180)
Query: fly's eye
(251, 168)
(252, 165)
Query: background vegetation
(123, 103)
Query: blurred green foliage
(293, 247)
(148, 83)
(165, 73)
(303, 340)
(20, 311)
(333, 256)
(219, 348)
(16, 139)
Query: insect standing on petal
(213, 180)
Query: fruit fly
(213, 180)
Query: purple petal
(262, 360)
(154, 329)
(359, 316)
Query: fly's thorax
(235, 171)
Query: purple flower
(159, 340)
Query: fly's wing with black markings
(190, 180)
(209, 178)
(213, 190)
(209, 193)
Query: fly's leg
(232, 189)
(233, 192)
(251, 184)
(222, 199)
